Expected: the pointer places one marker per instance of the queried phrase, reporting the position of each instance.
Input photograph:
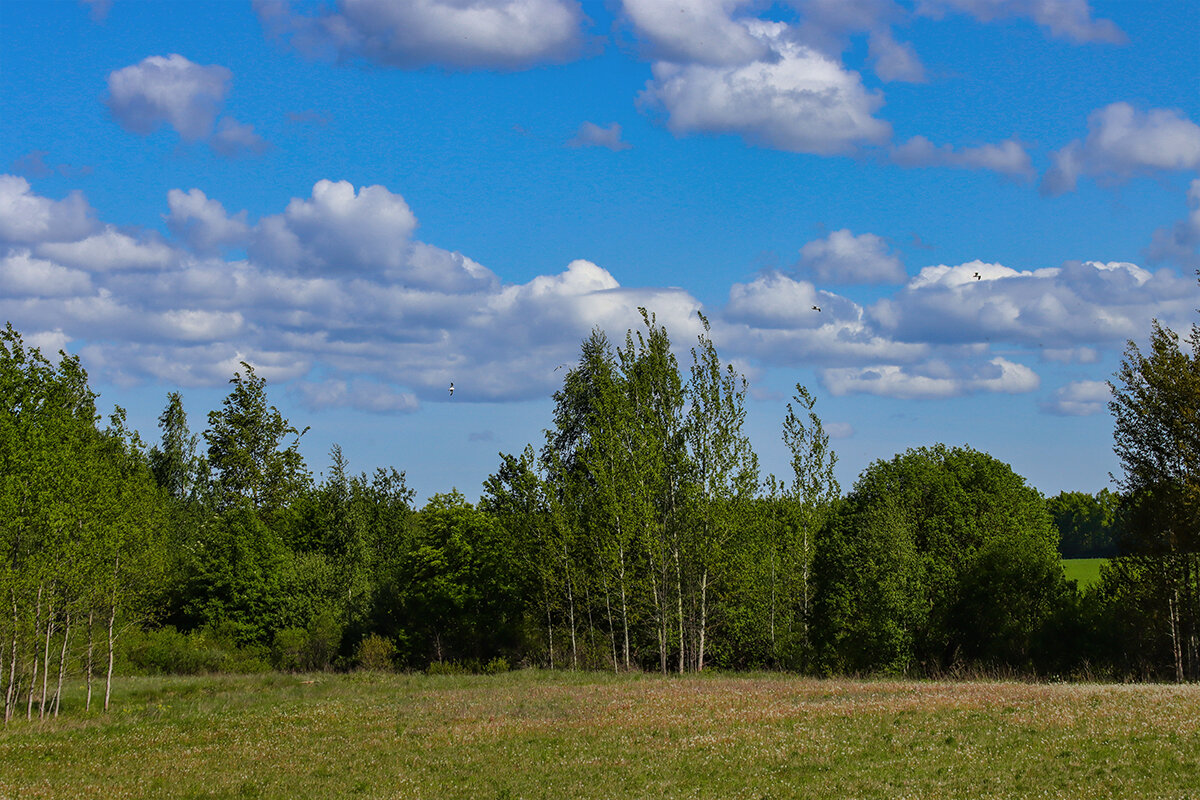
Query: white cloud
(202, 223)
(929, 380)
(1123, 142)
(170, 90)
(695, 31)
(843, 257)
(1066, 19)
(22, 275)
(1007, 157)
(1079, 398)
(110, 249)
(482, 34)
(839, 430)
(1080, 303)
(1181, 242)
(797, 99)
(369, 231)
(894, 61)
(29, 218)
(592, 135)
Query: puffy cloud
(341, 230)
(1181, 242)
(481, 34)
(843, 257)
(22, 275)
(1066, 19)
(772, 318)
(796, 99)
(202, 223)
(1007, 157)
(1122, 142)
(170, 90)
(933, 379)
(1079, 398)
(1080, 303)
(110, 250)
(695, 31)
(592, 135)
(29, 218)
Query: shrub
(375, 653)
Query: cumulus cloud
(338, 295)
(796, 99)
(1079, 303)
(202, 223)
(26, 217)
(695, 31)
(168, 90)
(592, 135)
(935, 379)
(482, 34)
(1122, 142)
(1079, 398)
(1065, 19)
(844, 258)
(1181, 242)
(1007, 157)
(188, 97)
(110, 249)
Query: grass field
(559, 735)
(1084, 570)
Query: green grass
(1086, 571)
(561, 735)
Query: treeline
(639, 535)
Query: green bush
(375, 653)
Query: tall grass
(532, 734)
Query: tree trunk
(90, 663)
(624, 605)
(112, 620)
(46, 657)
(62, 662)
(703, 619)
(679, 603)
(37, 624)
(10, 698)
(549, 624)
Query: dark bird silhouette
(978, 276)
(452, 388)
(816, 308)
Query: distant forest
(639, 535)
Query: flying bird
(978, 276)
(816, 308)
(452, 388)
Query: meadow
(536, 734)
(1084, 571)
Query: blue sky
(368, 200)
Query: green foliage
(1156, 411)
(375, 653)
(909, 551)
(1086, 523)
(244, 449)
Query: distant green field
(593, 736)
(1085, 571)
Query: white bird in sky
(452, 388)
